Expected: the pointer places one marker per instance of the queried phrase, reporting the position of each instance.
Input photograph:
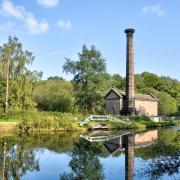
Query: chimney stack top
(129, 30)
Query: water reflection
(85, 163)
(152, 154)
(165, 156)
(128, 141)
(4, 159)
(17, 161)
(18, 156)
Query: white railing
(103, 138)
(103, 118)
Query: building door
(113, 111)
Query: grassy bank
(132, 123)
(43, 121)
(56, 121)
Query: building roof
(141, 97)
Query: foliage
(115, 80)
(52, 121)
(55, 78)
(89, 77)
(21, 80)
(21, 151)
(85, 162)
(165, 88)
(167, 104)
(85, 93)
(54, 95)
(18, 160)
(163, 155)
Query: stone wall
(149, 108)
(116, 104)
(113, 106)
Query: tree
(55, 78)
(54, 95)
(18, 81)
(139, 82)
(167, 104)
(150, 79)
(117, 81)
(89, 77)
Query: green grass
(135, 123)
(31, 121)
(11, 117)
(57, 121)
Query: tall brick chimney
(130, 101)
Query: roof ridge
(147, 96)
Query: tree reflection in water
(18, 160)
(164, 155)
(167, 163)
(85, 163)
(21, 151)
(159, 159)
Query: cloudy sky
(55, 29)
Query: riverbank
(7, 126)
(56, 121)
(131, 123)
(42, 121)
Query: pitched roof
(141, 97)
(117, 91)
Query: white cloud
(35, 26)
(48, 3)
(154, 9)
(20, 13)
(65, 24)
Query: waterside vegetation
(22, 150)
(30, 103)
(57, 121)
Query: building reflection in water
(128, 142)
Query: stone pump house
(145, 104)
(130, 103)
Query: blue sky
(55, 29)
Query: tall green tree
(89, 76)
(16, 78)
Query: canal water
(153, 154)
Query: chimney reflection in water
(129, 142)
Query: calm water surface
(153, 154)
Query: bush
(49, 121)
